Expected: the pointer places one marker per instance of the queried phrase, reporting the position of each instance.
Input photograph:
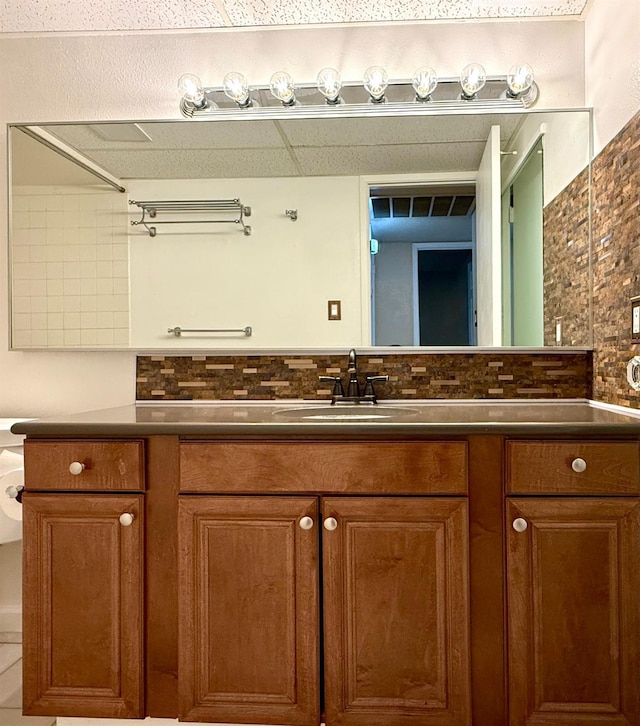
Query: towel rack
(188, 206)
(177, 331)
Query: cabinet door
(248, 574)
(396, 611)
(83, 597)
(573, 578)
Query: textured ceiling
(18, 16)
(300, 147)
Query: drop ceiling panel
(18, 16)
(298, 12)
(408, 159)
(195, 164)
(180, 135)
(396, 130)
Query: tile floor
(11, 685)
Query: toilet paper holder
(15, 492)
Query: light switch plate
(335, 309)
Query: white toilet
(11, 481)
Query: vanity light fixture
(472, 79)
(236, 88)
(190, 86)
(423, 93)
(375, 82)
(281, 86)
(329, 84)
(424, 82)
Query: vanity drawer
(573, 467)
(438, 467)
(108, 465)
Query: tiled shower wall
(567, 289)
(424, 375)
(70, 265)
(616, 263)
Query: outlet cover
(635, 319)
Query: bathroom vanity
(457, 564)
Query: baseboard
(10, 619)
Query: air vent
(422, 206)
(401, 206)
(438, 205)
(441, 206)
(381, 207)
(461, 206)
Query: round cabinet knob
(520, 525)
(330, 523)
(579, 465)
(76, 467)
(306, 523)
(126, 519)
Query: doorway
(523, 253)
(444, 313)
(423, 268)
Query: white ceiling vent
(120, 132)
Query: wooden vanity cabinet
(83, 560)
(573, 582)
(396, 611)
(476, 581)
(391, 641)
(82, 611)
(249, 610)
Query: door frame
(367, 294)
(432, 247)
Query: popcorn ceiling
(16, 16)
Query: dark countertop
(283, 419)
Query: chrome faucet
(353, 386)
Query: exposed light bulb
(472, 79)
(519, 80)
(236, 88)
(375, 82)
(190, 86)
(329, 85)
(281, 86)
(424, 82)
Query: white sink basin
(357, 412)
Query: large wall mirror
(470, 229)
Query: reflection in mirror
(468, 229)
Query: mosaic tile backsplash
(423, 375)
(567, 289)
(616, 263)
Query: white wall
(566, 149)
(278, 280)
(129, 76)
(612, 61)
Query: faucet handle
(338, 390)
(369, 392)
